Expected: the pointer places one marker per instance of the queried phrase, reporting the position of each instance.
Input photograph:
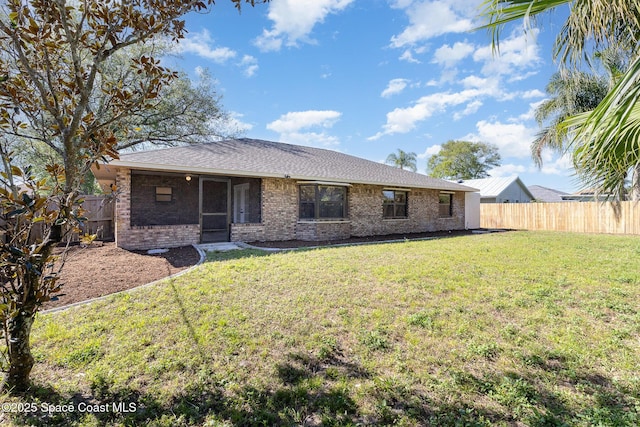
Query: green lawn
(538, 329)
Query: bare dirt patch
(102, 269)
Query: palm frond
(501, 12)
(609, 135)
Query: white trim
(395, 189)
(335, 184)
(447, 192)
(320, 221)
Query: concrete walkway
(218, 247)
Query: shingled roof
(259, 158)
(544, 194)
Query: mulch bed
(102, 269)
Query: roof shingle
(259, 158)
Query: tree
(463, 160)
(571, 93)
(604, 140)
(184, 112)
(402, 160)
(53, 61)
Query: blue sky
(367, 77)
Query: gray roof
(258, 158)
(544, 194)
(493, 187)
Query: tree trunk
(635, 184)
(20, 358)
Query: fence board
(581, 217)
(99, 213)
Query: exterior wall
(472, 211)
(248, 232)
(279, 217)
(514, 193)
(145, 210)
(279, 209)
(323, 230)
(365, 202)
(147, 236)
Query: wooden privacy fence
(100, 214)
(581, 217)
(99, 211)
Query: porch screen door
(215, 205)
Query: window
(394, 204)
(446, 207)
(322, 202)
(163, 194)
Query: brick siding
(147, 236)
(279, 217)
(182, 209)
(365, 206)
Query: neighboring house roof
(588, 195)
(544, 194)
(258, 158)
(493, 187)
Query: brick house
(253, 190)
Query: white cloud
(449, 56)
(512, 139)
(201, 44)
(290, 125)
(250, 65)
(471, 108)
(490, 86)
(517, 52)
(403, 120)
(507, 170)
(429, 19)
(430, 151)
(562, 165)
(535, 93)
(394, 87)
(295, 121)
(311, 139)
(530, 114)
(520, 77)
(407, 55)
(293, 21)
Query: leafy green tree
(54, 57)
(604, 140)
(184, 112)
(402, 160)
(463, 160)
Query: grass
(536, 329)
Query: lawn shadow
(310, 390)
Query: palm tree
(402, 160)
(573, 92)
(605, 139)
